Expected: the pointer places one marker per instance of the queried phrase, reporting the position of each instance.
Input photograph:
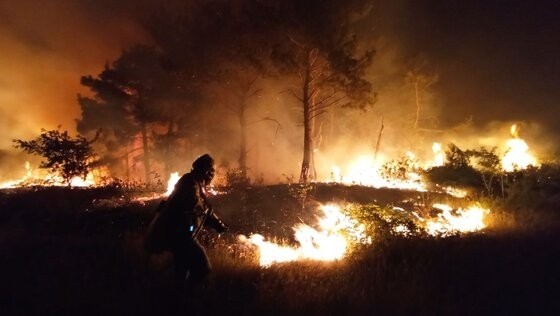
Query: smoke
(46, 46)
(495, 61)
(274, 134)
(493, 66)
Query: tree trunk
(417, 96)
(307, 129)
(127, 164)
(316, 138)
(168, 138)
(243, 141)
(378, 142)
(146, 152)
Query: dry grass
(61, 255)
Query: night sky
(496, 60)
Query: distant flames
(41, 178)
(366, 170)
(439, 155)
(517, 155)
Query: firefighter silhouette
(180, 219)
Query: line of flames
(336, 232)
(364, 170)
(36, 177)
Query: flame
(455, 192)
(517, 155)
(365, 171)
(336, 232)
(37, 177)
(514, 130)
(173, 178)
(327, 243)
(439, 159)
(464, 221)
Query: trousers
(191, 262)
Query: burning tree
(67, 156)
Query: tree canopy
(213, 58)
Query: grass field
(79, 252)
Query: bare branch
(314, 93)
(293, 40)
(313, 55)
(255, 92)
(325, 99)
(293, 94)
(313, 78)
(324, 106)
(316, 114)
(266, 118)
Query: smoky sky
(495, 60)
(44, 49)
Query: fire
(517, 154)
(37, 177)
(455, 192)
(327, 243)
(439, 159)
(336, 232)
(173, 178)
(368, 171)
(365, 171)
(463, 221)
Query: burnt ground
(79, 252)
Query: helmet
(204, 166)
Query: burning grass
(63, 252)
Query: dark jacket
(181, 216)
(186, 206)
